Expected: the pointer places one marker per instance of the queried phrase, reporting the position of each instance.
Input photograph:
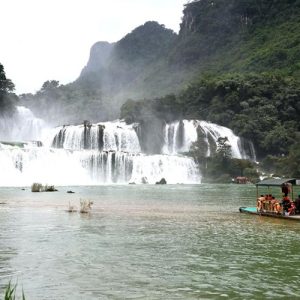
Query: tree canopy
(7, 98)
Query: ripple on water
(147, 242)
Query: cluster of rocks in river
(144, 180)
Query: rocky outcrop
(99, 55)
(162, 181)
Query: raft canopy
(276, 182)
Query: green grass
(10, 292)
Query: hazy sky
(51, 39)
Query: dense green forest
(240, 36)
(7, 98)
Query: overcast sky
(51, 39)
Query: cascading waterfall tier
(108, 136)
(180, 135)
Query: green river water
(146, 242)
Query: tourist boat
(272, 204)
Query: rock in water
(162, 181)
(50, 188)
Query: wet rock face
(99, 55)
(87, 135)
(100, 137)
(151, 136)
(59, 139)
(180, 135)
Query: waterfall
(107, 136)
(101, 153)
(105, 152)
(22, 126)
(179, 137)
(175, 169)
(23, 166)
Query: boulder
(162, 181)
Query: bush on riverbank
(38, 187)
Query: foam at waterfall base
(23, 166)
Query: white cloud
(51, 39)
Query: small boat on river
(275, 198)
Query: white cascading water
(175, 169)
(179, 142)
(102, 153)
(22, 126)
(108, 136)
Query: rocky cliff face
(123, 67)
(99, 54)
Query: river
(146, 242)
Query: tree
(7, 99)
(6, 85)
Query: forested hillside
(240, 35)
(7, 98)
(234, 62)
(246, 55)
